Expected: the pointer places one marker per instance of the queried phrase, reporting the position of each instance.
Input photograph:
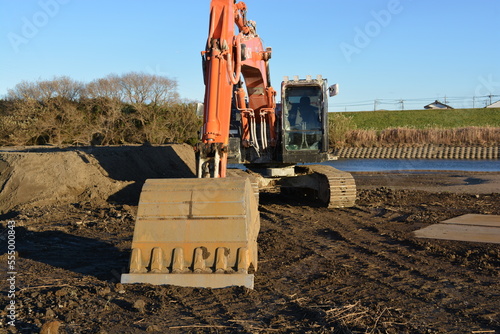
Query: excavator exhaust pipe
(195, 233)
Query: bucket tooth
(136, 262)
(178, 261)
(199, 264)
(156, 260)
(243, 260)
(221, 260)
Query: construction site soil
(351, 270)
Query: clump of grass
(339, 126)
(361, 138)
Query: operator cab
(304, 120)
(302, 127)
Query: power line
(465, 101)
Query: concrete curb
(422, 152)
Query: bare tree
(142, 88)
(47, 89)
(67, 88)
(25, 91)
(136, 87)
(108, 87)
(164, 90)
(41, 90)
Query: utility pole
(375, 104)
(402, 103)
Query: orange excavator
(202, 232)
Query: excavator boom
(227, 57)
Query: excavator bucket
(196, 233)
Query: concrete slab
(280, 172)
(474, 219)
(471, 227)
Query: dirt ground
(353, 270)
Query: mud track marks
(340, 254)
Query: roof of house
(494, 105)
(437, 105)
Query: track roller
(334, 188)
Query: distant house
(494, 105)
(437, 105)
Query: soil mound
(40, 179)
(46, 176)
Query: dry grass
(465, 136)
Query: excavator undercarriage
(331, 187)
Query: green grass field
(456, 127)
(424, 119)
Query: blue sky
(378, 50)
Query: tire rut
(394, 267)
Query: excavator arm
(230, 55)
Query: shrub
(99, 121)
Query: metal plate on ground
(471, 227)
